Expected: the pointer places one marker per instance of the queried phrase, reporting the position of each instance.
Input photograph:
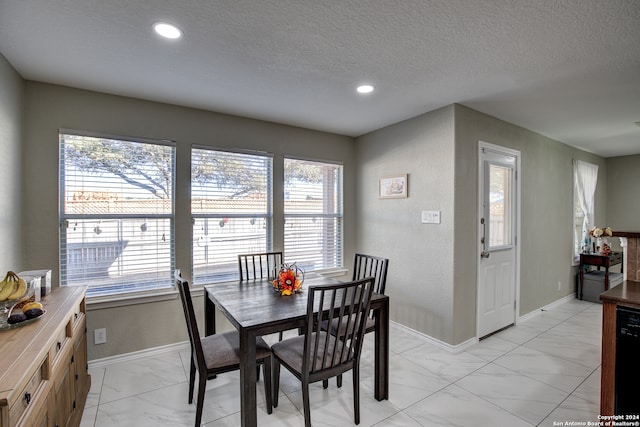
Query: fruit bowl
(7, 305)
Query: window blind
(116, 214)
(231, 205)
(313, 214)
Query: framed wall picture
(393, 187)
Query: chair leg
(339, 380)
(356, 395)
(192, 380)
(280, 336)
(268, 390)
(276, 380)
(325, 383)
(202, 386)
(305, 404)
(258, 373)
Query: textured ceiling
(568, 69)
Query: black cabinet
(627, 373)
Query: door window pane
(500, 206)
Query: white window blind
(231, 205)
(116, 214)
(313, 214)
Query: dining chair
(263, 265)
(318, 355)
(216, 354)
(259, 265)
(365, 266)
(371, 266)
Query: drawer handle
(75, 315)
(59, 345)
(27, 397)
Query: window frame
(339, 236)
(161, 289)
(267, 217)
(587, 221)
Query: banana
(30, 305)
(12, 287)
(5, 281)
(9, 289)
(20, 290)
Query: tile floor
(545, 370)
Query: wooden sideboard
(44, 380)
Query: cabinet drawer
(77, 316)
(28, 395)
(59, 345)
(615, 258)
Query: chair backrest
(371, 266)
(326, 355)
(192, 325)
(259, 265)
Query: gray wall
(623, 200)
(50, 107)
(432, 274)
(433, 268)
(421, 261)
(11, 106)
(546, 179)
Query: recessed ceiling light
(167, 30)
(365, 89)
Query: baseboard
(547, 307)
(142, 354)
(441, 344)
(471, 341)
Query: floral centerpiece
(600, 244)
(600, 232)
(288, 279)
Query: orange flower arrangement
(289, 280)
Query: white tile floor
(545, 370)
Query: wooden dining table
(254, 308)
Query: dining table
(255, 308)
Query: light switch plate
(431, 217)
(100, 336)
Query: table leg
(209, 315)
(581, 280)
(381, 382)
(248, 404)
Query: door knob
(485, 254)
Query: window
(313, 214)
(231, 205)
(585, 179)
(500, 205)
(116, 214)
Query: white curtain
(585, 178)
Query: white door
(498, 273)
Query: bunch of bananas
(12, 287)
